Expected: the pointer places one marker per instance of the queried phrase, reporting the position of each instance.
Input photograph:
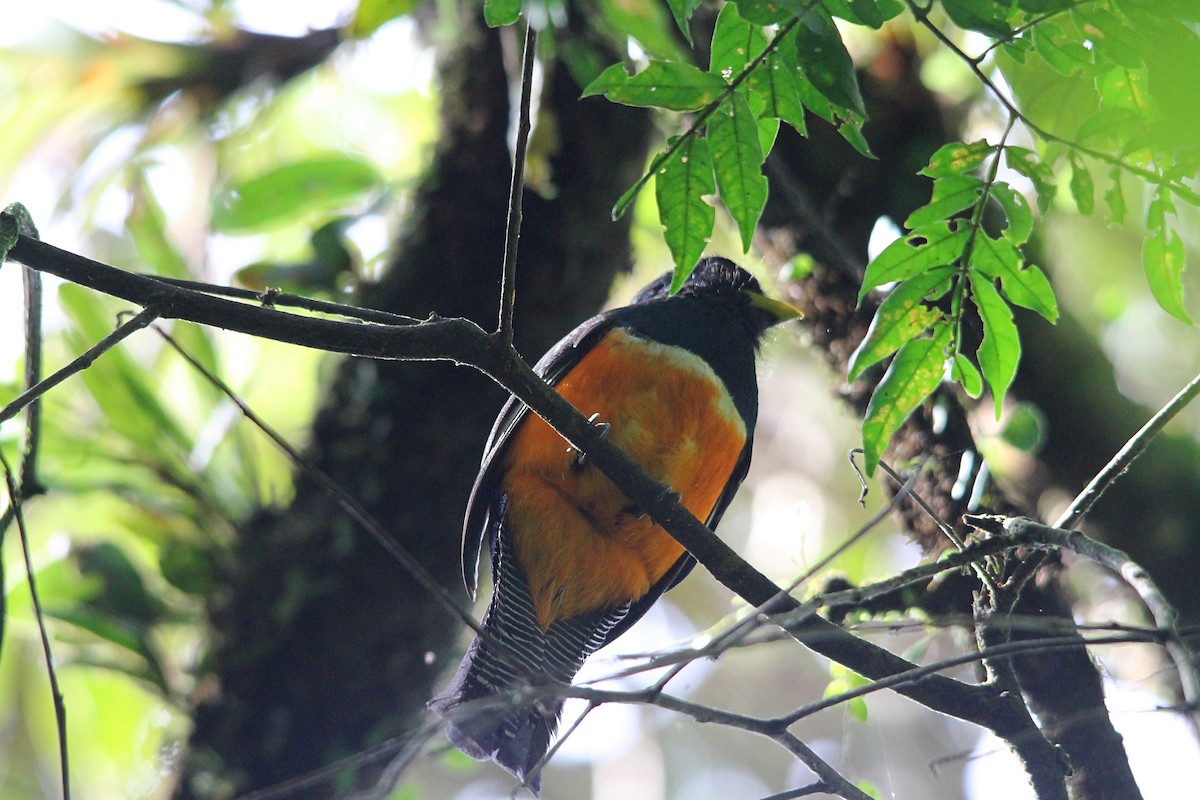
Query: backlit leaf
(679, 187)
(1000, 350)
(1163, 261)
(278, 196)
(825, 61)
(958, 158)
(923, 249)
(1016, 209)
(737, 164)
(899, 318)
(911, 377)
(497, 13)
(662, 84)
(951, 194)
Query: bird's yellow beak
(779, 310)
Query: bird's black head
(720, 280)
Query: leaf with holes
(1163, 260)
(679, 187)
(1000, 350)
(921, 250)
(737, 164)
(900, 317)
(911, 377)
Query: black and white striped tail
(483, 718)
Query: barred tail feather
(479, 707)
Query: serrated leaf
(1163, 260)
(735, 43)
(662, 84)
(826, 62)
(682, 11)
(497, 13)
(278, 196)
(985, 16)
(911, 377)
(923, 249)
(1000, 350)
(963, 370)
(957, 158)
(899, 318)
(679, 187)
(1083, 190)
(951, 194)
(1016, 210)
(737, 164)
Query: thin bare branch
(512, 234)
(1126, 456)
(60, 708)
(37, 389)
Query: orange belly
(580, 543)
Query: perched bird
(574, 563)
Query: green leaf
(278, 196)
(679, 187)
(737, 164)
(851, 131)
(965, 372)
(911, 377)
(899, 318)
(826, 62)
(958, 158)
(768, 129)
(1026, 286)
(370, 15)
(871, 13)
(1163, 260)
(773, 82)
(498, 13)
(735, 43)
(1027, 163)
(921, 250)
(1016, 209)
(682, 10)
(1064, 55)
(1111, 35)
(985, 16)
(951, 195)
(1000, 350)
(1114, 198)
(1025, 428)
(1083, 190)
(662, 84)
(769, 12)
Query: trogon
(574, 563)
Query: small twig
(30, 395)
(331, 487)
(512, 234)
(1164, 614)
(32, 279)
(273, 297)
(1126, 456)
(60, 708)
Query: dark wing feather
(551, 367)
